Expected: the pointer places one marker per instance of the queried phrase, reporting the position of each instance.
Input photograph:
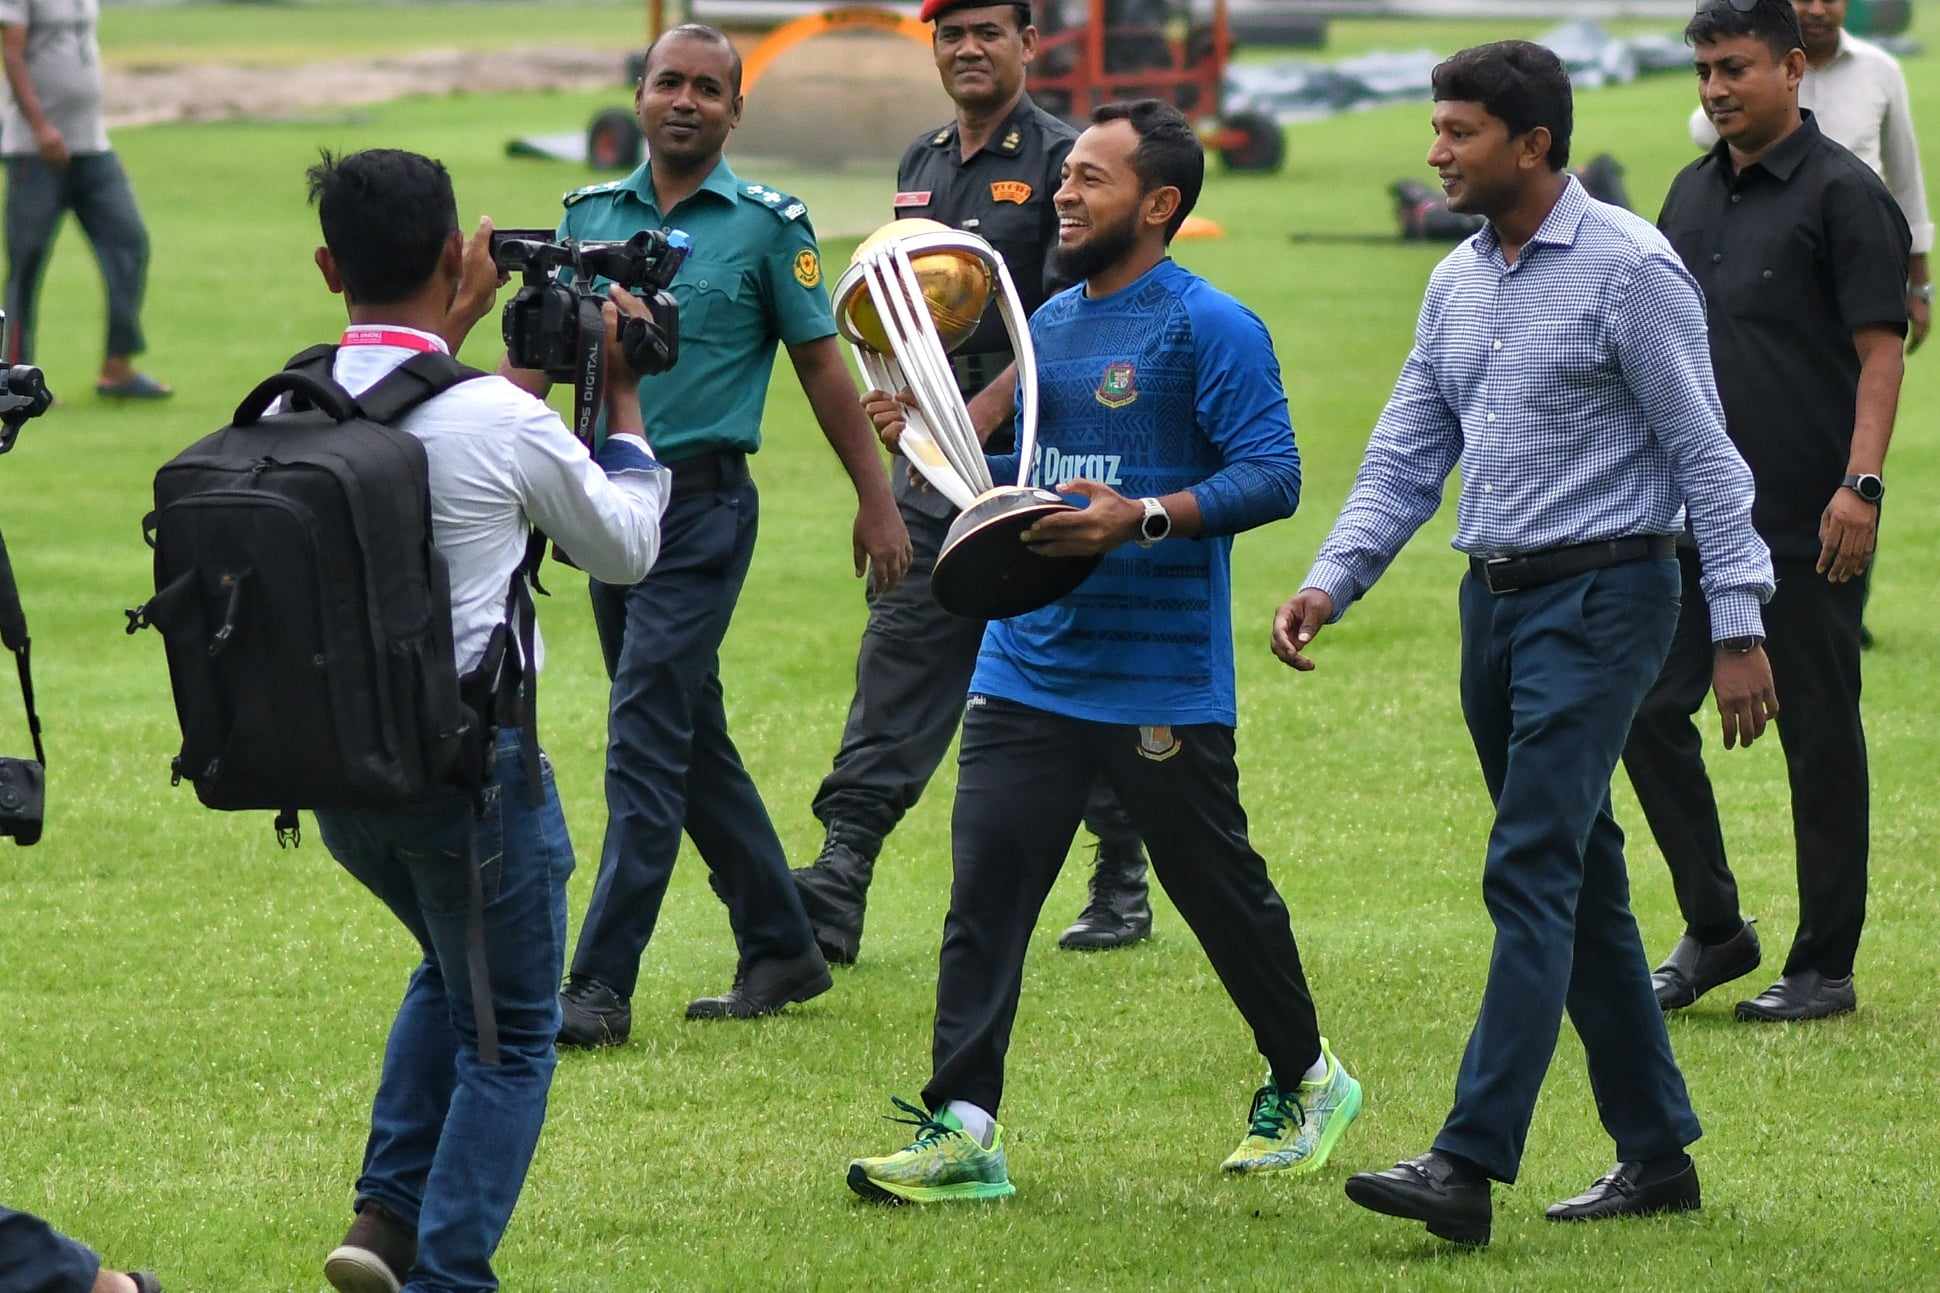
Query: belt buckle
(1489, 567)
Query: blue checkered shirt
(1575, 389)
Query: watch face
(1872, 488)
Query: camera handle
(13, 635)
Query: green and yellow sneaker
(1294, 1131)
(942, 1164)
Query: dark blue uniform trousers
(1551, 678)
(670, 764)
(36, 1258)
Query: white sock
(976, 1120)
(1318, 1071)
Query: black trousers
(670, 763)
(36, 1258)
(912, 672)
(1812, 637)
(1015, 815)
(95, 188)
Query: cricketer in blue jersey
(1167, 388)
(1162, 411)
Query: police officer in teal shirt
(754, 278)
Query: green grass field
(191, 1020)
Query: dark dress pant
(1812, 629)
(912, 672)
(36, 1258)
(1550, 679)
(95, 188)
(1022, 783)
(670, 763)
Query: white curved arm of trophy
(1019, 327)
(920, 354)
(918, 443)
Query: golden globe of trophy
(914, 291)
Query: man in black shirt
(1802, 255)
(991, 171)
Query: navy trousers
(1551, 678)
(95, 188)
(36, 1258)
(670, 763)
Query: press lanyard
(361, 336)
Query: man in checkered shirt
(1561, 359)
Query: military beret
(934, 9)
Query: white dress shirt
(503, 462)
(1861, 102)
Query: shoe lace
(580, 990)
(1273, 1111)
(928, 1129)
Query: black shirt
(1003, 193)
(1794, 255)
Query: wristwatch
(1920, 291)
(1741, 646)
(1866, 485)
(1155, 525)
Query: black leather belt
(706, 472)
(1534, 569)
(974, 372)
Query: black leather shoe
(1629, 1191)
(1693, 969)
(1120, 910)
(763, 987)
(1805, 995)
(835, 890)
(1434, 1189)
(592, 1014)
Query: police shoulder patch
(782, 204)
(590, 190)
(808, 268)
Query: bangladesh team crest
(1158, 743)
(1119, 386)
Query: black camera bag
(307, 614)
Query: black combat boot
(1120, 912)
(835, 890)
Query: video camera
(23, 782)
(23, 394)
(557, 327)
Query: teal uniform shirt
(754, 278)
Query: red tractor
(1096, 51)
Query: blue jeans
(451, 1137)
(36, 1258)
(1551, 678)
(95, 188)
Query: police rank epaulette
(783, 205)
(590, 190)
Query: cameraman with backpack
(452, 1133)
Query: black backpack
(307, 613)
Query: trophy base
(985, 571)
